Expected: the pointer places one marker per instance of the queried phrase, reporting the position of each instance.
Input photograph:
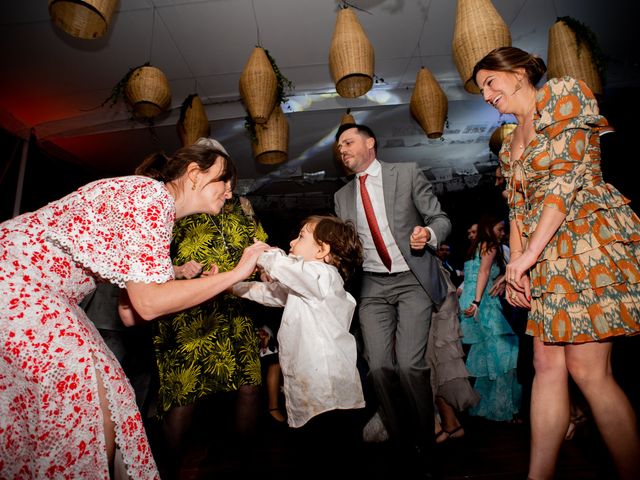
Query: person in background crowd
(212, 348)
(58, 378)
(400, 224)
(575, 253)
(493, 355)
(445, 356)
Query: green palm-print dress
(212, 347)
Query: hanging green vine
(118, 90)
(250, 126)
(584, 35)
(186, 104)
(283, 83)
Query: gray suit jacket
(409, 201)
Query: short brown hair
(342, 238)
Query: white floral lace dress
(51, 425)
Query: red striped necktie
(373, 224)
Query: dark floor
(489, 450)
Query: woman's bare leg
(590, 366)
(107, 422)
(549, 409)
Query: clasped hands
(518, 291)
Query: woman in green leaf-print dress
(213, 347)
(575, 254)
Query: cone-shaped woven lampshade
(82, 18)
(273, 139)
(193, 122)
(351, 59)
(565, 58)
(429, 104)
(148, 92)
(498, 136)
(479, 28)
(258, 86)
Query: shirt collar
(372, 170)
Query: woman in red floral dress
(65, 403)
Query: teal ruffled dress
(493, 355)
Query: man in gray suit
(400, 286)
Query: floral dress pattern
(493, 355)
(586, 284)
(213, 347)
(51, 355)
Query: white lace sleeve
(119, 228)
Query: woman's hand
(126, 311)
(471, 311)
(499, 286)
(247, 264)
(188, 270)
(518, 284)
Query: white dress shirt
(372, 261)
(317, 352)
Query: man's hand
(419, 238)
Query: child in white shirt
(317, 352)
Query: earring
(193, 186)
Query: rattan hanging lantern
(498, 136)
(566, 57)
(193, 122)
(351, 58)
(148, 92)
(429, 104)
(272, 145)
(259, 86)
(86, 19)
(479, 28)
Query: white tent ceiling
(52, 84)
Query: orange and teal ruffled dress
(586, 284)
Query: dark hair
(167, 168)
(362, 130)
(507, 59)
(342, 237)
(486, 239)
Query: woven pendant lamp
(566, 58)
(259, 86)
(272, 144)
(429, 104)
(479, 28)
(498, 136)
(351, 58)
(86, 19)
(193, 122)
(148, 92)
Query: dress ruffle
(586, 283)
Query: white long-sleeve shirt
(317, 352)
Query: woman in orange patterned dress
(575, 249)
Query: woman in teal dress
(214, 347)
(493, 355)
(575, 254)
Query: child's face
(305, 245)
